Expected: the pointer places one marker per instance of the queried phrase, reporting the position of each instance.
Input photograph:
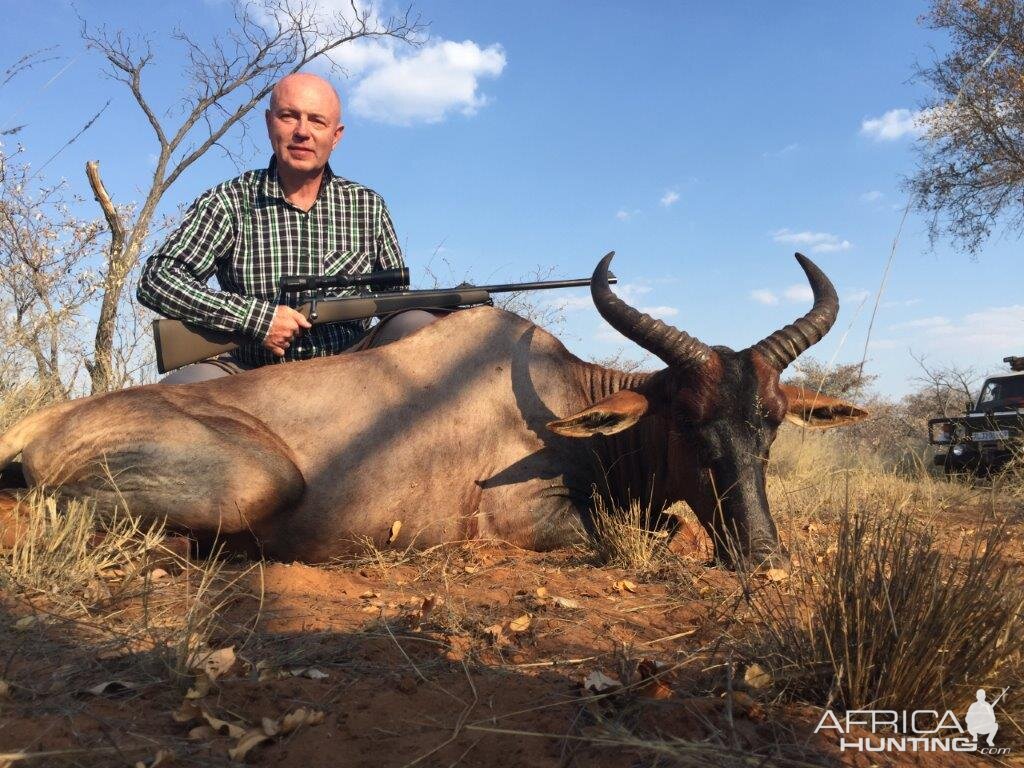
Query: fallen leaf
(497, 634)
(598, 682)
(654, 687)
(270, 726)
(188, 711)
(757, 676)
(396, 528)
(248, 740)
(111, 688)
(459, 647)
(311, 672)
(300, 717)
(201, 733)
(520, 624)
(369, 595)
(775, 574)
(158, 573)
(429, 603)
(161, 758)
(471, 569)
(5, 689)
(25, 622)
(624, 585)
(234, 730)
(565, 602)
(214, 663)
(542, 593)
(201, 688)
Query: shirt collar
(272, 182)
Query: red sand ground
(452, 685)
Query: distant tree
(45, 279)
(970, 174)
(224, 78)
(944, 388)
(844, 381)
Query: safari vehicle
(990, 432)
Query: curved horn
(673, 346)
(782, 347)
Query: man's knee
(190, 374)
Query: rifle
(179, 343)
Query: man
(295, 217)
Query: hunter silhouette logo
(981, 717)
(918, 730)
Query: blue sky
(703, 142)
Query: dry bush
(61, 546)
(888, 619)
(97, 571)
(621, 536)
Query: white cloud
(901, 303)
(856, 295)
(937, 321)
(671, 197)
(995, 331)
(631, 292)
(623, 215)
(817, 242)
(799, 293)
(660, 312)
(764, 296)
(571, 303)
(782, 152)
(872, 197)
(391, 81)
(895, 124)
(429, 84)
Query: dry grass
(62, 547)
(889, 620)
(620, 537)
(904, 592)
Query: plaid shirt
(247, 234)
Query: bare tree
(226, 77)
(45, 252)
(970, 174)
(944, 388)
(845, 381)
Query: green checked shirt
(247, 234)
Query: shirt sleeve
(389, 254)
(173, 281)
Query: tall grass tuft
(59, 545)
(620, 535)
(889, 620)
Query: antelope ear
(813, 410)
(613, 414)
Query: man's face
(304, 123)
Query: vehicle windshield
(1002, 393)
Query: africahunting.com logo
(919, 730)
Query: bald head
(304, 126)
(312, 87)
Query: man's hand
(287, 326)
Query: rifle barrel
(540, 285)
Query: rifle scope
(385, 278)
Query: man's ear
(613, 414)
(813, 410)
